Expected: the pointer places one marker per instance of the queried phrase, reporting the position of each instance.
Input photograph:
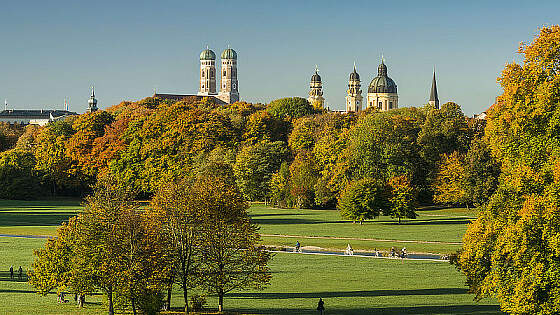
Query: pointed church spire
(434, 100)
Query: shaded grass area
(35, 217)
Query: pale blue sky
(57, 49)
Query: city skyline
(57, 51)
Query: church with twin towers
(229, 89)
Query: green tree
(176, 224)
(482, 172)
(280, 187)
(290, 108)
(444, 131)
(363, 199)
(255, 166)
(403, 198)
(450, 183)
(18, 177)
(230, 256)
(303, 177)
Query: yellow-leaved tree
(512, 251)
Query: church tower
(207, 73)
(92, 102)
(229, 92)
(434, 100)
(354, 97)
(316, 90)
(382, 91)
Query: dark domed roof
(316, 77)
(382, 83)
(354, 76)
(207, 54)
(229, 54)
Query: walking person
(349, 250)
(376, 253)
(393, 252)
(321, 306)
(20, 273)
(11, 272)
(297, 246)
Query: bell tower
(92, 102)
(316, 90)
(354, 94)
(229, 89)
(207, 73)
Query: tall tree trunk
(185, 295)
(399, 220)
(168, 302)
(220, 301)
(81, 300)
(133, 306)
(110, 298)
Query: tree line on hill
(286, 153)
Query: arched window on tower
(224, 73)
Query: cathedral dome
(316, 77)
(354, 76)
(207, 54)
(229, 54)
(382, 83)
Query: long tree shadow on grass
(371, 293)
(5, 276)
(463, 221)
(34, 218)
(428, 309)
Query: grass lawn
(349, 285)
(441, 228)
(444, 228)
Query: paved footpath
(424, 257)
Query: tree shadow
(34, 218)
(5, 276)
(276, 214)
(428, 309)
(371, 293)
(463, 221)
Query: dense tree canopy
(511, 251)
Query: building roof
(34, 113)
(188, 97)
(433, 92)
(229, 54)
(316, 77)
(382, 83)
(354, 76)
(207, 54)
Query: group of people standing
(20, 273)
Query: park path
(361, 239)
(304, 251)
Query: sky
(52, 50)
